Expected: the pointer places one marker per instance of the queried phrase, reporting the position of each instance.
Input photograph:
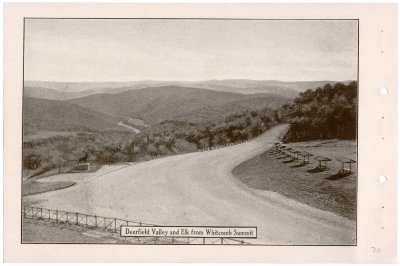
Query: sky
(98, 50)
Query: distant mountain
(256, 86)
(51, 94)
(157, 104)
(82, 86)
(72, 90)
(50, 115)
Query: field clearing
(322, 190)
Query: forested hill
(324, 113)
(157, 104)
(51, 115)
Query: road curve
(199, 189)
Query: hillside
(45, 93)
(216, 112)
(52, 94)
(157, 104)
(42, 114)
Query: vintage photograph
(190, 131)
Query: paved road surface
(199, 189)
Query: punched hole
(384, 91)
(382, 179)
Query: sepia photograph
(190, 131)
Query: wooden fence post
(41, 213)
(77, 221)
(95, 221)
(57, 216)
(115, 224)
(67, 216)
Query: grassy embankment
(323, 190)
(31, 186)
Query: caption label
(189, 231)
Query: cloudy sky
(142, 49)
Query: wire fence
(113, 225)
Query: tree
(328, 112)
(32, 161)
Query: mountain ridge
(71, 90)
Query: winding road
(199, 189)
(122, 124)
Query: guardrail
(282, 149)
(113, 225)
(224, 146)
